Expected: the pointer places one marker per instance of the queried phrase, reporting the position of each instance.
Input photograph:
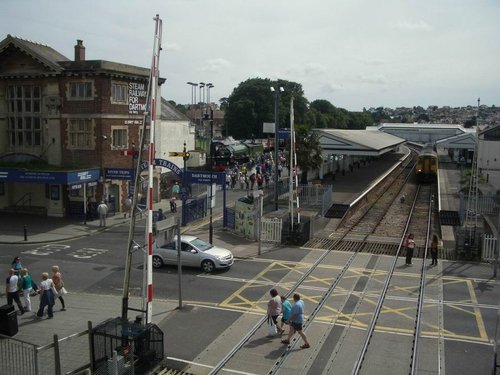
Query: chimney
(79, 51)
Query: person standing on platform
(410, 247)
(102, 210)
(297, 321)
(434, 250)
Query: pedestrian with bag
(273, 311)
(59, 286)
(434, 250)
(410, 247)
(46, 296)
(297, 321)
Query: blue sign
(195, 177)
(284, 134)
(46, 177)
(118, 173)
(165, 164)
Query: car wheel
(157, 261)
(208, 266)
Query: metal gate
(489, 247)
(271, 229)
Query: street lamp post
(211, 229)
(276, 142)
(193, 91)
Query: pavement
(72, 324)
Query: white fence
(489, 247)
(271, 229)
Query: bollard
(25, 233)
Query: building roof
(420, 126)
(466, 141)
(357, 142)
(40, 52)
(170, 113)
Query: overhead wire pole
(152, 89)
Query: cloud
(331, 87)
(413, 26)
(215, 65)
(374, 62)
(172, 47)
(376, 79)
(310, 68)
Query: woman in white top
(46, 296)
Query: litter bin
(8, 320)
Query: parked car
(194, 252)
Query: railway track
(352, 241)
(338, 337)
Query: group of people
(20, 287)
(410, 245)
(290, 315)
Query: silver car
(194, 252)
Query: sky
(354, 53)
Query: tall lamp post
(211, 229)
(277, 93)
(193, 91)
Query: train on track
(427, 164)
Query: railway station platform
(449, 198)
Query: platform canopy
(357, 142)
(462, 141)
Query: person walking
(434, 250)
(410, 247)
(173, 204)
(102, 210)
(27, 288)
(12, 290)
(127, 207)
(59, 285)
(176, 189)
(46, 296)
(274, 308)
(296, 322)
(16, 265)
(286, 308)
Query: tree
(252, 103)
(308, 150)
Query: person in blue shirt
(286, 309)
(296, 322)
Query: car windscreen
(200, 244)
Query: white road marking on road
(87, 253)
(46, 249)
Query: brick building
(64, 128)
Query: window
(80, 134)
(81, 90)
(120, 138)
(24, 117)
(118, 93)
